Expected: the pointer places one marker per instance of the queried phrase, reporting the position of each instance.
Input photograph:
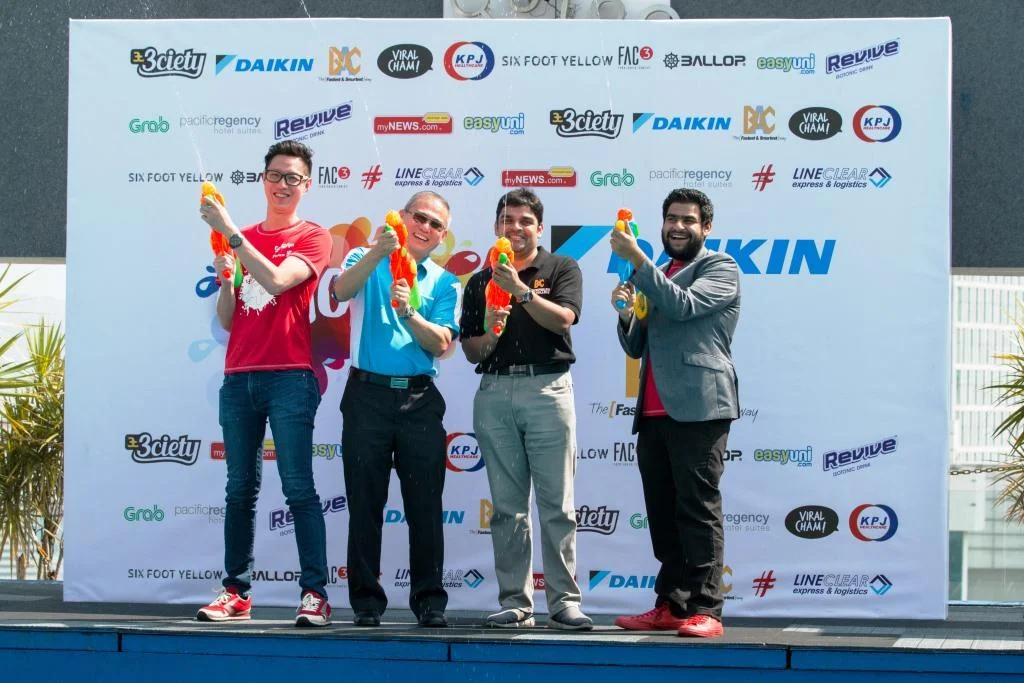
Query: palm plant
(32, 460)
(11, 373)
(1011, 475)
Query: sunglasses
(424, 219)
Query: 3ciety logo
(635, 57)
(311, 125)
(816, 123)
(633, 581)
(858, 457)
(556, 176)
(680, 123)
(812, 521)
(157, 125)
(462, 453)
(873, 522)
(674, 61)
(134, 514)
(344, 65)
(569, 123)
(877, 123)
(236, 64)
(333, 177)
(468, 61)
(758, 124)
(599, 520)
(283, 519)
(437, 176)
(146, 448)
(151, 63)
(406, 60)
(844, 64)
(431, 123)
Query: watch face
(235, 241)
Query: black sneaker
(433, 619)
(367, 617)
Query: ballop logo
(465, 61)
(873, 522)
(463, 453)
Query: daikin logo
(238, 64)
(634, 581)
(680, 123)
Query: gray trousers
(526, 429)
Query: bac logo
(462, 453)
(465, 61)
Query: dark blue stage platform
(44, 639)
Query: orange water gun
(218, 242)
(497, 297)
(623, 222)
(402, 264)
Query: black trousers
(401, 426)
(680, 466)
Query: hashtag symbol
(764, 583)
(372, 177)
(763, 177)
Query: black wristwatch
(235, 241)
(527, 297)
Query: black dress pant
(680, 466)
(404, 427)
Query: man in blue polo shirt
(392, 412)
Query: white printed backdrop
(835, 485)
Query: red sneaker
(228, 606)
(314, 610)
(658, 619)
(701, 626)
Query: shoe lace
(225, 596)
(700, 619)
(311, 601)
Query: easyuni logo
(146, 448)
(816, 123)
(468, 61)
(848, 63)
(236, 64)
(858, 457)
(873, 522)
(599, 577)
(463, 453)
(812, 521)
(569, 123)
(150, 63)
(599, 520)
(405, 60)
(877, 123)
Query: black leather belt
(533, 369)
(415, 382)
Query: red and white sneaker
(701, 626)
(658, 619)
(314, 610)
(228, 606)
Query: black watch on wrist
(235, 241)
(527, 297)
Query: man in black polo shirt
(524, 416)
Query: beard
(687, 252)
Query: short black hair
(686, 195)
(521, 196)
(290, 148)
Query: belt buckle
(399, 383)
(519, 369)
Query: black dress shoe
(367, 617)
(433, 619)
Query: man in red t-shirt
(688, 400)
(268, 375)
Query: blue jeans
(289, 399)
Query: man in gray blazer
(680, 319)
